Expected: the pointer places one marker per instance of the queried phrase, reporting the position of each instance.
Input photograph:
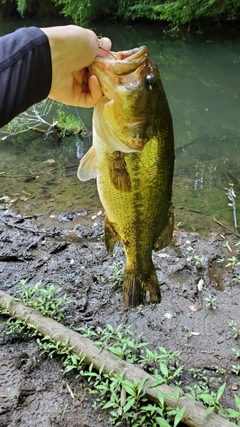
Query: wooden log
(195, 414)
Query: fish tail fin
(136, 288)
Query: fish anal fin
(166, 233)
(110, 236)
(136, 289)
(88, 168)
(118, 172)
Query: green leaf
(209, 410)
(164, 369)
(179, 416)
(160, 397)
(129, 404)
(128, 387)
(141, 385)
(162, 422)
(158, 382)
(108, 405)
(233, 414)
(221, 391)
(207, 398)
(237, 401)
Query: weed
(87, 331)
(188, 335)
(235, 369)
(203, 380)
(121, 342)
(125, 401)
(165, 374)
(67, 124)
(237, 352)
(232, 414)
(43, 298)
(196, 389)
(234, 328)
(20, 327)
(210, 301)
(200, 375)
(116, 276)
(212, 399)
(232, 262)
(150, 357)
(218, 370)
(194, 259)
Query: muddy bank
(34, 391)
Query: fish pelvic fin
(110, 236)
(88, 167)
(136, 289)
(166, 233)
(118, 172)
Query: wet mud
(33, 389)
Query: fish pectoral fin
(118, 172)
(166, 233)
(88, 167)
(110, 236)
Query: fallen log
(195, 414)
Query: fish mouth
(119, 68)
(129, 60)
(125, 61)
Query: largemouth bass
(132, 158)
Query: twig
(227, 228)
(70, 391)
(20, 227)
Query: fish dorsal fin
(88, 167)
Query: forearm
(25, 71)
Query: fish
(132, 159)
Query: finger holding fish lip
(104, 46)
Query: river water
(201, 75)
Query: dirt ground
(33, 390)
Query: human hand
(73, 49)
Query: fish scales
(135, 185)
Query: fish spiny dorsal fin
(118, 172)
(88, 167)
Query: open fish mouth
(129, 60)
(126, 61)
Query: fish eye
(150, 81)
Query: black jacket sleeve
(25, 71)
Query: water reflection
(200, 74)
